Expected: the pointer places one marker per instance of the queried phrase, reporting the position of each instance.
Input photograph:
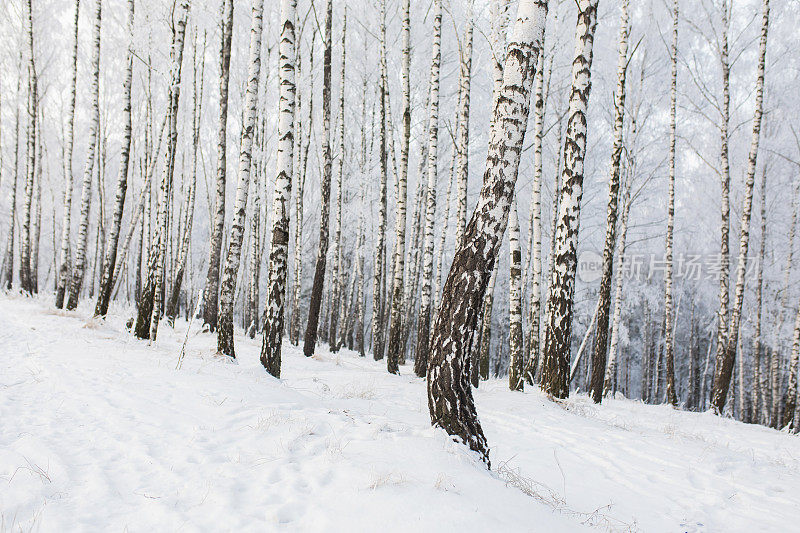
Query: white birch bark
(109, 262)
(211, 291)
(225, 344)
(450, 398)
(601, 338)
(336, 278)
(669, 317)
(423, 326)
(562, 282)
(79, 267)
(464, 83)
(611, 366)
(30, 166)
(515, 366)
(723, 374)
(279, 253)
(396, 346)
(69, 138)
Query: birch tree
(69, 138)
(76, 281)
(380, 240)
(25, 280)
(233, 258)
(152, 299)
(515, 366)
(723, 372)
(464, 85)
(396, 346)
(449, 393)
(791, 391)
(109, 262)
(604, 305)
(423, 326)
(211, 291)
(562, 277)
(336, 280)
(759, 404)
(279, 253)
(315, 304)
(669, 343)
(8, 258)
(611, 366)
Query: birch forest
(591, 201)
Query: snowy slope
(100, 432)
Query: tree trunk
(336, 280)
(109, 263)
(33, 109)
(150, 308)
(279, 253)
(599, 366)
(380, 241)
(724, 273)
(791, 391)
(424, 324)
(562, 283)
(723, 372)
(396, 346)
(669, 317)
(211, 292)
(69, 138)
(225, 344)
(611, 366)
(310, 340)
(464, 83)
(515, 381)
(759, 404)
(449, 394)
(86, 196)
(300, 174)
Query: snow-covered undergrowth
(100, 432)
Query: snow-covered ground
(100, 432)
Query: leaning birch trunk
(396, 346)
(424, 324)
(723, 374)
(79, 267)
(464, 82)
(279, 252)
(562, 279)
(69, 138)
(449, 393)
(211, 291)
(315, 304)
(536, 228)
(601, 338)
(791, 391)
(233, 259)
(109, 263)
(725, 213)
(515, 380)
(380, 241)
(759, 404)
(33, 105)
(611, 366)
(669, 317)
(336, 281)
